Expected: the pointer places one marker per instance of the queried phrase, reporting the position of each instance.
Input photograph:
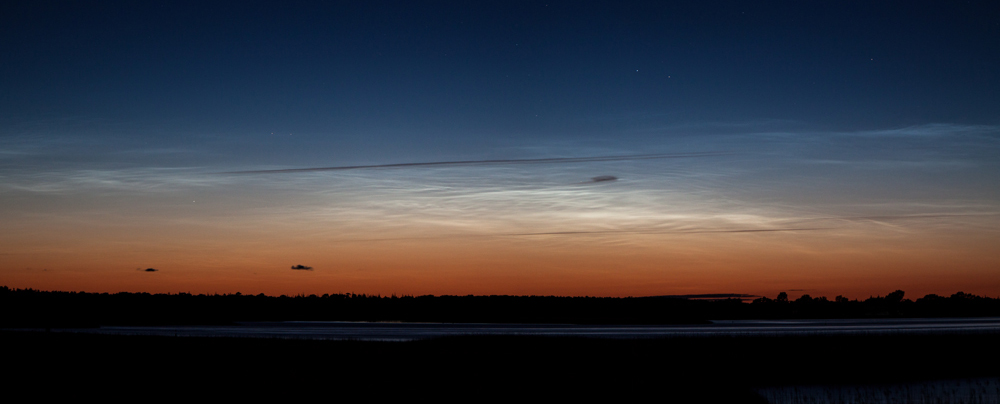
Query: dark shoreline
(29, 308)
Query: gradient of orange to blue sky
(841, 148)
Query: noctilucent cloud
(537, 147)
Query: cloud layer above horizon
(815, 191)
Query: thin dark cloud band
(889, 218)
(566, 233)
(584, 233)
(488, 162)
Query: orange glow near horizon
(800, 262)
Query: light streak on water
(373, 331)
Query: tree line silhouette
(34, 308)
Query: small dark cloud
(147, 269)
(302, 268)
(603, 178)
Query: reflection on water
(984, 390)
(416, 331)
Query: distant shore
(46, 309)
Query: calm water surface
(414, 331)
(979, 390)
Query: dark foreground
(681, 369)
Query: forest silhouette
(44, 309)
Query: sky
(510, 147)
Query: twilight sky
(811, 147)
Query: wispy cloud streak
(650, 231)
(586, 233)
(490, 162)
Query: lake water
(372, 331)
(979, 390)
